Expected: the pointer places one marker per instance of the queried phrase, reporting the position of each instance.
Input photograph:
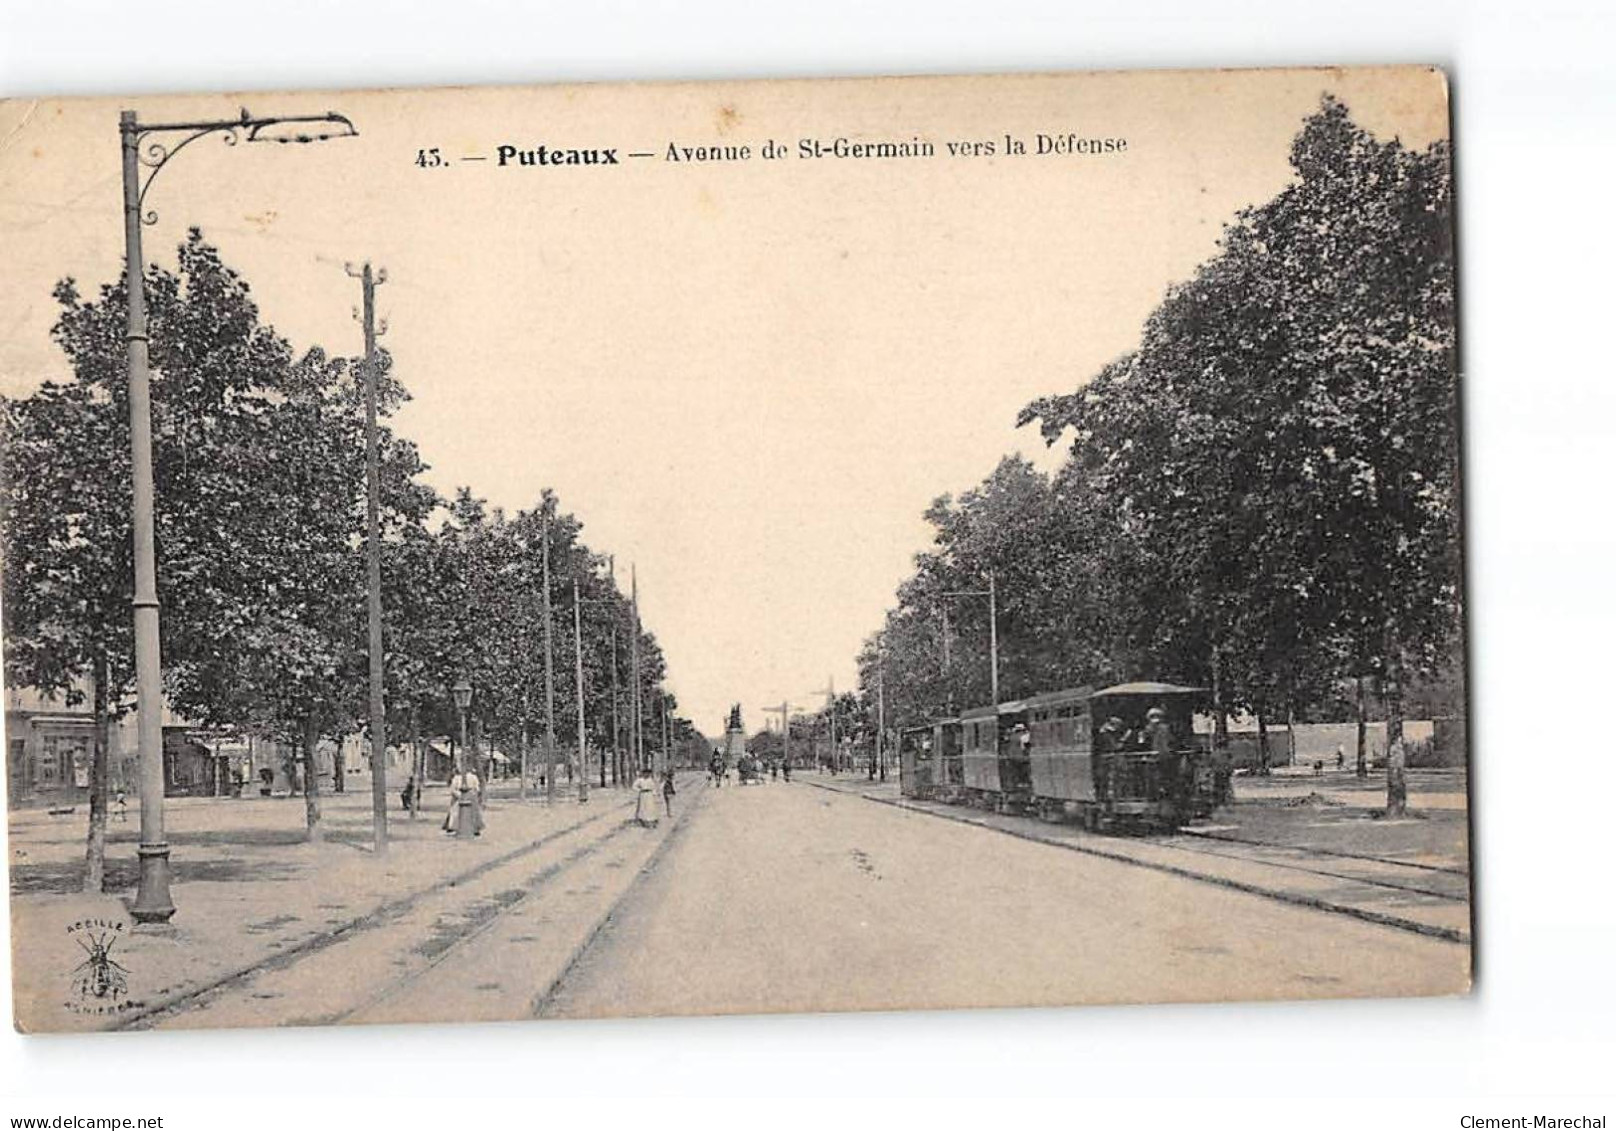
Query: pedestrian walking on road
(645, 813)
(667, 793)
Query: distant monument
(734, 736)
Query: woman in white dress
(645, 801)
(465, 798)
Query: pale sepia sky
(750, 379)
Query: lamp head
(300, 129)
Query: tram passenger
(1111, 740)
(1170, 764)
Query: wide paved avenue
(793, 897)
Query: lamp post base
(153, 903)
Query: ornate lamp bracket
(154, 155)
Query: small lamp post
(462, 700)
(467, 816)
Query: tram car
(930, 765)
(995, 757)
(1122, 757)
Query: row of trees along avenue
(1261, 499)
(260, 470)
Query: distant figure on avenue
(785, 769)
(407, 794)
(715, 769)
(1340, 757)
(667, 792)
(465, 816)
(120, 801)
(645, 812)
(774, 770)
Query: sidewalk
(248, 888)
(1285, 841)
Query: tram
(1115, 758)
(930, 763)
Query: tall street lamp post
(153, 901)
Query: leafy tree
(1282, 446)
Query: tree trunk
(417, 773)
(311, 778)
(521, 789)
(1263, 762)
(1290, 731)
(1396, 757)
(475, 762)
(1363, 744)
(1221, 770)
(95, 843)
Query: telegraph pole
(881, 706)
(368, 282)
(992, 594)
(784, 711)
(617, 729)
(549, 669)
(830, 695)
(667, 733)
(578, 656)
(993, 634)
(636, 715)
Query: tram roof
(1146, 687)
(1065, 696)
(1010, 707)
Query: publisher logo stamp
(99, 983)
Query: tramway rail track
(511, 871)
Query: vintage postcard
(666, 549)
